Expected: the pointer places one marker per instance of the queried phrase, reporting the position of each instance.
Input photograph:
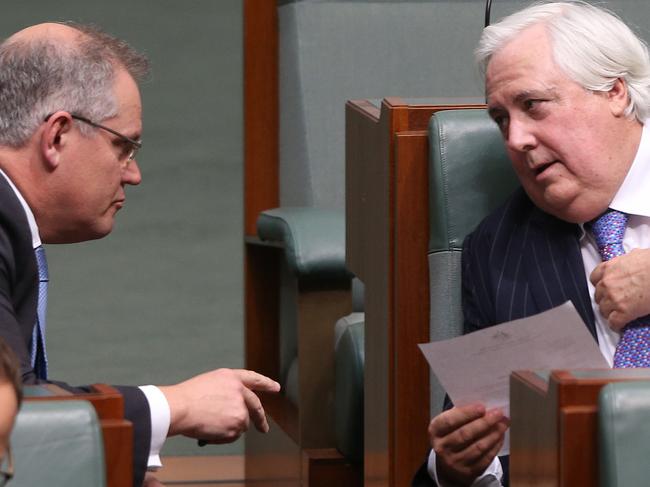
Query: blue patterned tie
(633, 349)
(39, 357)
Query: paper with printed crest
(476, 367)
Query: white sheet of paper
(476, 367)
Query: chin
(90, 232)
(573, 211)
(100, 232)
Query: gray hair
(40, 76)
(592, 45)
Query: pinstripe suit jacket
(519, 262)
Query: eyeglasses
(7, 468)
(133, 145)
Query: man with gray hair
(568, 84)
(70, 129)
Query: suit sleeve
(136, 410)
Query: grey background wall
(160, 299)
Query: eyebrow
(525, 95)
(544, 93)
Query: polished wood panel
(387, 235)
(554, 426)
(411, 286)
(261, 110)
(328, 468)
(273, 458)
(202, 470)
(368, 249)
(262, 308)
(118, 451)
(319, 307)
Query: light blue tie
(39, 357)
(633, 348)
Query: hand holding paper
(466, 439)
(475, 368)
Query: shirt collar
(632, 196)
(33, 227)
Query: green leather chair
(330, 52)
(469, 176)
(624, 434)
(58, 444)
(348, 392)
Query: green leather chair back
(624, 434)
(469, 176)
(58, 444)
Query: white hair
(590, 44)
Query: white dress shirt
(631, 198)
(158, 405)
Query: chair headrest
(469, 174)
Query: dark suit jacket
(18, 298)
(519, 262)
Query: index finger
(256, 411)
(257, 382)
(456, 417)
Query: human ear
(618, 97)
(54, 137)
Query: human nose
(131, 173)
(520, 137)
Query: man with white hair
(70, 128)
(568, 84)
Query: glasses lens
(134, 152)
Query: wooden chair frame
(387, 226)
(387, 218)
(300, 445)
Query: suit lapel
(555, 269)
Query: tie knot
(608, 230)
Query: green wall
(160, 299)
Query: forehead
(524, 64)
(127, 95)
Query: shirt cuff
(490, 478)
(160, 419)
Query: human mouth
(541, 170)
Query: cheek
(519, 165)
